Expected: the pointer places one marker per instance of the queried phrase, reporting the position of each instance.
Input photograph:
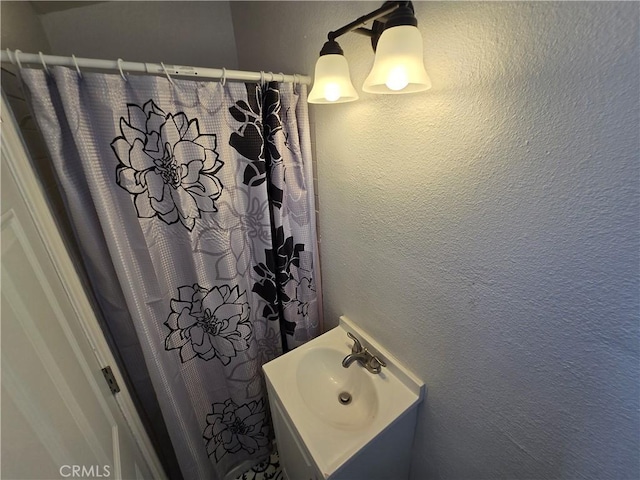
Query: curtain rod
(18, 58)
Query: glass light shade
(398, 66)
(332, 83)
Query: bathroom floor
(267, 470)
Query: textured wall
(487, 231)
(173, 32)
(21, 28)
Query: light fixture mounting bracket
(390, 14)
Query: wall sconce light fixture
(398, 66)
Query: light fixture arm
(375, 32)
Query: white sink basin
(321, 379)
(307, 382)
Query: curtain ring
(75, 61)
(167, 74)
(224, 77)
(261, 77)
(282, 77)
(16, 54)
(121, 72)
(11, 59)
(272, 77)
(46, 69)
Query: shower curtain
(192, 204)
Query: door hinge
(111, 380)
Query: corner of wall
(21, 28)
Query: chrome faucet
(362, 356)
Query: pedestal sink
(338, 423)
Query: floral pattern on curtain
(193, 207)
(286, 280)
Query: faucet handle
(357, 346)
(374, 364)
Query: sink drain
(344, 398)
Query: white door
(59, 416)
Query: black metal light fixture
(398, 65)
